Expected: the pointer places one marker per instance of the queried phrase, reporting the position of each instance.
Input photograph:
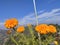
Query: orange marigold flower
(43, 32)
(20, 29)
(10, 23)
(52, 29)
(42, 28)
(8, 31)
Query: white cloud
(2, 25)
(30, 18)
(43, 17)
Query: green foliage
(29, 38)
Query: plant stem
(12, 38)
(32, 34)
(35, 12)
(36, 19)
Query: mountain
(3, 35)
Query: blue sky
(20, 8)
(15, 8)
(23, 9)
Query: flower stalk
(14, 40)
(36, 19)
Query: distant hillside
(2, 36)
